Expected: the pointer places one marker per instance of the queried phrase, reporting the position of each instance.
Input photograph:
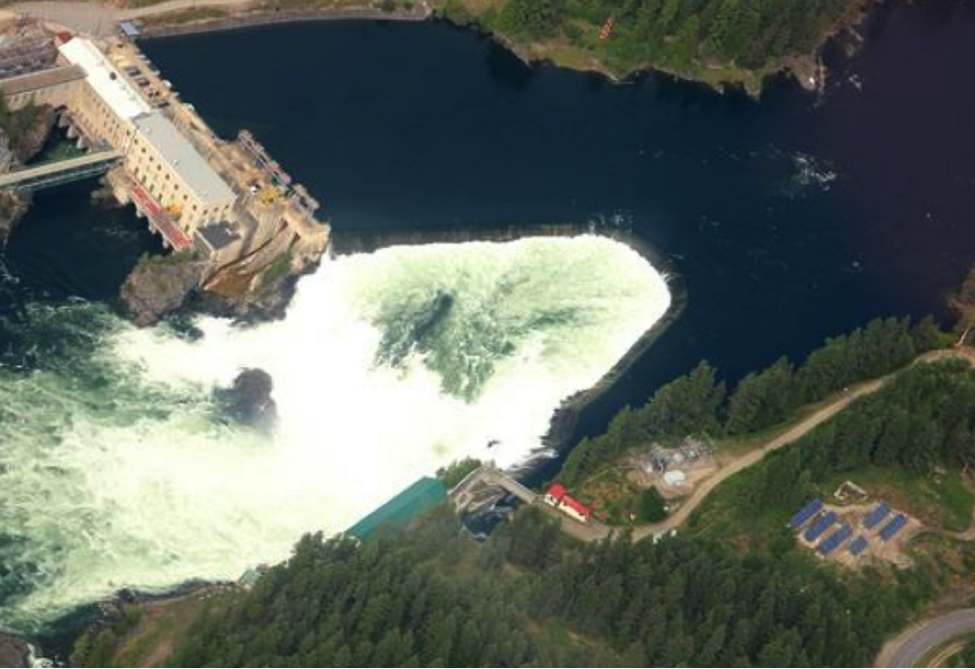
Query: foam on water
(117, 470)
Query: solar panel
(858, 545)
(893, 527)
(872, 519)
(833, 541)
(816, 529)
(805, 514)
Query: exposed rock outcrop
(158, 286)
(14, 651)
(13, 206)
(258, 304)
(28, 130)
(249, 399)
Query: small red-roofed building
(561, 500)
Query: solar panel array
(893, 527)
(806, 513)
(858, 545)
(872, 519)
(833, 541)
(816, 529)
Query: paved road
(801, 429)
(913, 644)
(751, 458)
(97, 18)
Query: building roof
(422, 496)
(185, 160)
(129, 29)
(110, 86)
(217, 235)
(558, 493)
(578, 507)
(26, 83)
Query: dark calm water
(790, 219)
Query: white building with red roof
(561, 500)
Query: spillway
(118, 470)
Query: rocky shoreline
(262, 18)
(13, 206)
(158, 286)
(24, 146)
(14, 651)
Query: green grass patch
(939, 500)
(278, 269)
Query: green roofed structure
(420, 497)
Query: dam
(227, 203)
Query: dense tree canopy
(432, 597)
(672, 33)
(531, 596)
(925, 418)
(694, 404)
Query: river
(789, 219)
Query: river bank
(185, 24)
(182, 17)
(572, 41)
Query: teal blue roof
(420, 497)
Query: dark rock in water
(13, 206)
(34, 126)
(158, 286)
(258, 306)
(249, 399)
(104, 196)
(14, 651)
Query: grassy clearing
(942, 501)
(152, 631)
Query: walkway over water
(475, 489)
(60, 172)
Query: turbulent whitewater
(117, 468)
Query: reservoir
(790, 219)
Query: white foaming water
(387, 366)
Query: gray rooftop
(129, 29)
(177, 150)
(217, 235)
(26, 83)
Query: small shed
(129, 30)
